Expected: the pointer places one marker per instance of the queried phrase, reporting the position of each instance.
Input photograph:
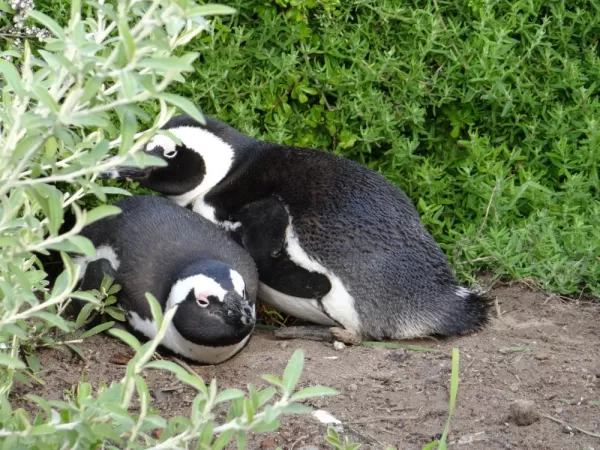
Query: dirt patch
(539, 349)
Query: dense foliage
(485, 112)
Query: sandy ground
(538, 348)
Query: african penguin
(182, 259)
(335, 243)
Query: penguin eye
(202, 302)
(170, 153)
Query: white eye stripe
(170, 153)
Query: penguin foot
(345, 336)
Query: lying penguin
(335, 243)
(155, 246)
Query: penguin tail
(472, 315)
(476, 310)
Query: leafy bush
(69, 110)
(485, 112)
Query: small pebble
(352, 387)
(339, 345)
(542, 356)
(283, 344)
(523, 412)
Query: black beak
(123, 172)
(239, 305)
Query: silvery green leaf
(183, 104)
(293, 370)
(53, 319)
(313, 391)
(6, 360)
(11, 75)
(166, 64)
(210, 10)
(49, 23)
(228, 395)
(266, 427)
(156, 309)
(126, 337)
(128, 131)
(100, 212)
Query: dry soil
(538, 347)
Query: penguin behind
(335, 243)
(182, 259)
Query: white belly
(302, 308)
(178, 344)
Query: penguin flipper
(92, 279)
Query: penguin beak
(132, 173)
(240, 307)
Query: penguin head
(214, 307)
(202, 158)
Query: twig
(298, 441)
(566, 425)
(487, 211)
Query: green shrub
(70, 109)
(485, 112)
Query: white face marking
(203, 287)
(238, 282)
(102, 252)
(216, 153)
(178, 344)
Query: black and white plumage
(156, 246)
(335, 243)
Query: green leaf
(126, 38)
(53, 319)
(126, 337)
(33, 362)
(222, 440)
(273, 380)
(115, 190)
(296, 408)
(83, 245)
(206, 435)
(183, 104)
(49, 23)
(166, 64)
(41, 430)
(292, 372)
(97, 329)
(128, 131)
(156, 309)
(313, 391)
(229, 394)
(210, 10)
(6, 360)
(266, 427)
(41, 94)
(100, 212)
(176, 369)
(76, 350)
(12, 76)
